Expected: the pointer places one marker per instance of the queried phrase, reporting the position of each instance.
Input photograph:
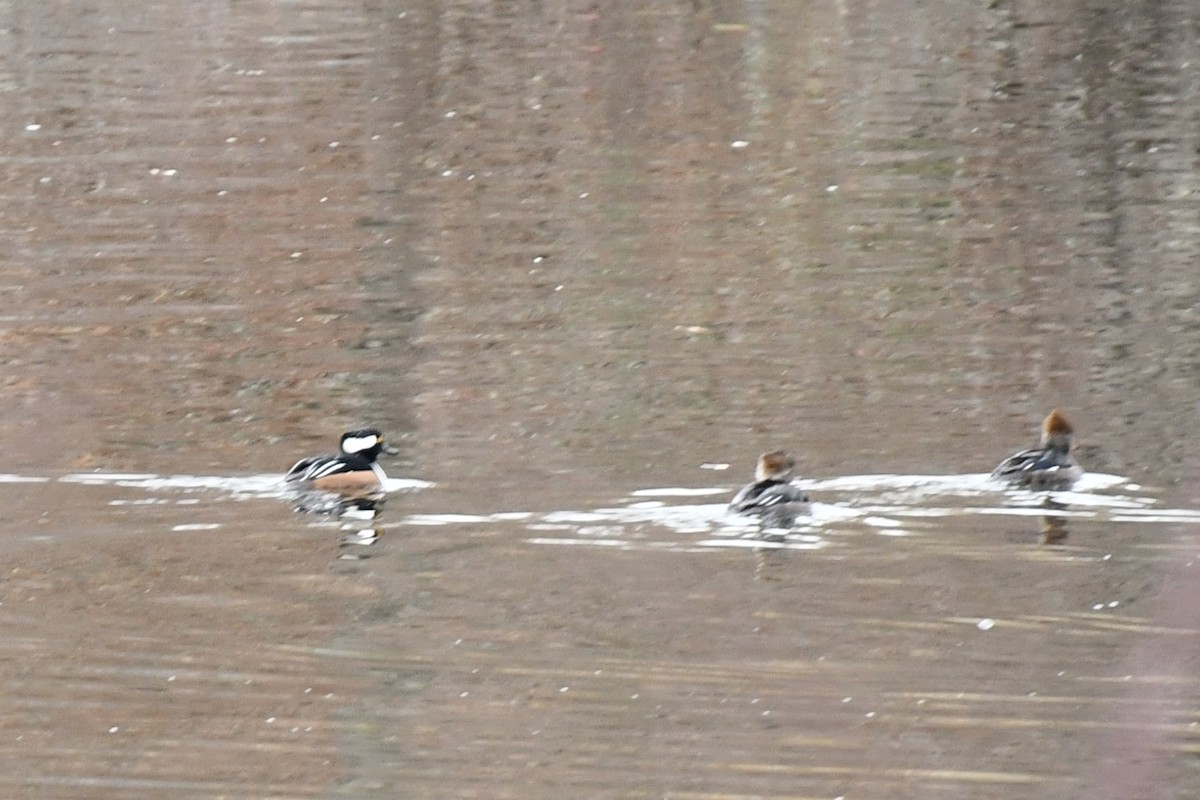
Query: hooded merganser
(1047, 466)
(353, 470)
(772, 496)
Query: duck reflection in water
(354, 535)
(771, 496)
(1054, 526)
(332, 504)
(357, 518)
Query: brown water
(576, 259)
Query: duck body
(772, 496)
(353, 470)
(1049, 466)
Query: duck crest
(1056, 425)
(776, 465)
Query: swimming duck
(1047, 466)
(772, 496)
(352, 470)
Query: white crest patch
(357, 444)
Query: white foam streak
(258, 485)
(391, 485)
(678, 492)
(21, 479)
(268, 485)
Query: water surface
(583, 263)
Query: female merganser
(353, 470)
(772, 496)
(1047, 466)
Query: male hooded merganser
(772, 496)
(352, 470)
(1047, 466)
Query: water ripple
(886, 505)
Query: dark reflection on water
(563, 254)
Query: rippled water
(582, 264)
